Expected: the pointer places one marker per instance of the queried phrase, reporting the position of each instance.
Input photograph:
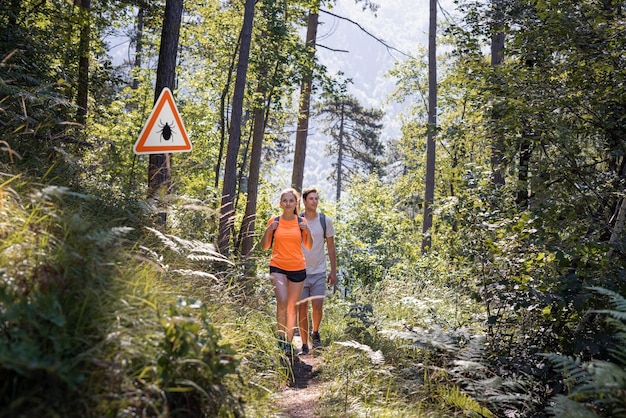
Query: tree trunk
(497, 57)
(618, 229)
(83, 62)
(160, 165)
(525, 151)
(340, 156)
(429, 194)
(223, 118)
(248, 225)
(305, 103)
(227, 210)
(138, 47)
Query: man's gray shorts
(314, 285)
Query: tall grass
(90, 325)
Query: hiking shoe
(286, 348)
(304, 350)
(317, 342)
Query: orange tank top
(287, 251)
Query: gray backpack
(322, 221)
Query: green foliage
(439, 337)
(361, 323)
(378, 237)
(113, 128)
(379, 364)
(454, 397)
(104, 315)
(175, 363)
(38, 79)
(595, 388)
(529, 261)
(531, 286)
(78, 340)
(56, 266)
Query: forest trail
(301, 396)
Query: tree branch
(379, 40)
(332, 49)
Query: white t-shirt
(316, 256)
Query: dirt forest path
(300, 398)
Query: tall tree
(83, 63)
(223, 114)
(429, 193)
(302, 130)
(247, 228)
(160, 165)
(355, 136)
(227, 209)
(138, 40)
(40, 56)
(497, 57)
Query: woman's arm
(266, 239)
(307, 237)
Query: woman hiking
(286, 234)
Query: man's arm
(332, 256)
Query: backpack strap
(276, 219)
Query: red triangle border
(141, 147)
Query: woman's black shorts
(292, 276)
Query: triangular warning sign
(164, 131)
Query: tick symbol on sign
(166, 131)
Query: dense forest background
(125, 296)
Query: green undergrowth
(409, 349)
(596, 388)
(101, 316)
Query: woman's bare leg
(281, 284)
(294, 292)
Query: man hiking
(316, 281)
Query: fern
(595, 387)
(571, 369)
(455, 397)
(376, 357)
(193, 249)
(619, 301)
(462, 356)
(475, 376)
(617, 316)
(565, 407)
(108, 237)
(422, 338)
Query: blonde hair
(295, 194)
